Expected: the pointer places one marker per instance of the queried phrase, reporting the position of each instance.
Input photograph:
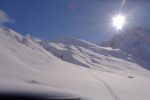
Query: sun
(118, 21)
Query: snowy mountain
(83, 70)
(135, 42)
(89, 55)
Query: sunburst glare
(118, 21)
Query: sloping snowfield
(28, 68)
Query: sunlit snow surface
(26, 66)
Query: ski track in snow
(105, 83)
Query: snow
(89, 55)
(30, 66)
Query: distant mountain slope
(89, 55)
(135, 42)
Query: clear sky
(86, 19)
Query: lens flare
(118, 21)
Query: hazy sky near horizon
(86, 19)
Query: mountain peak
(134, 41)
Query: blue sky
(86, 19)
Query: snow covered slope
(25, 66)
(135, 42)
(89, 55)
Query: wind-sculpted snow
(28, 66)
